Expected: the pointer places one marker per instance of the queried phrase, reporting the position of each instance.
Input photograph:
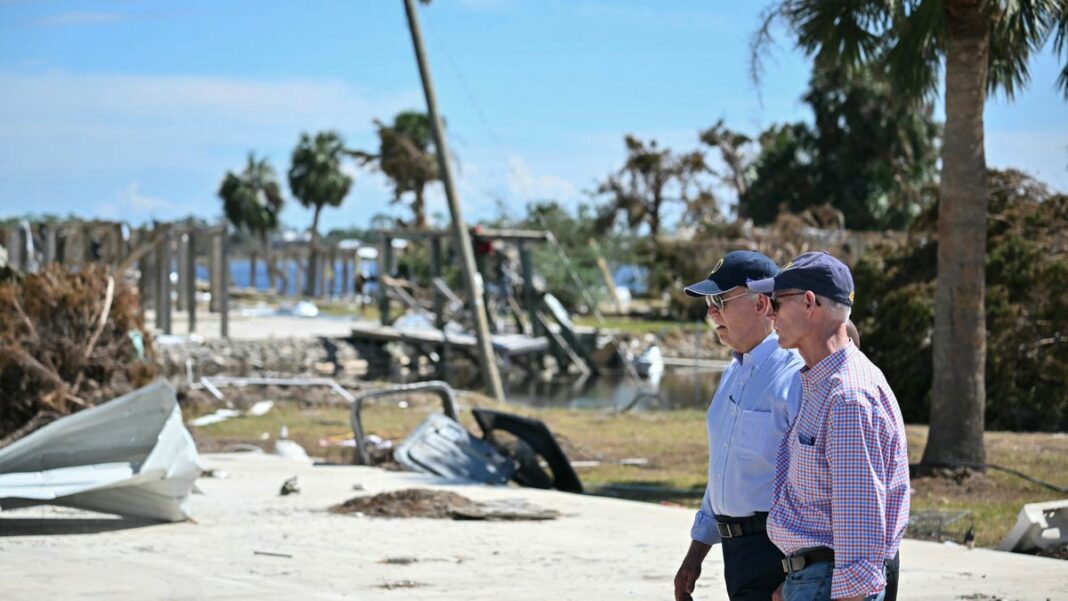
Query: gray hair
(839, 311)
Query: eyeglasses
(717, 300)
(776, 299)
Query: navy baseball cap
(734, 270)
(819, 272)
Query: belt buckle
(793, 563)
(724, 530)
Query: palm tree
(406, 157)
(315, 178)
(253, 199)
(986, 46)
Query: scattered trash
(272, 554)
(441, 446)
(399, 561)
(401, 584)
(440, 504)
(220, 415)
(533, 443)
(650, 364)
(288, 448)
(300, 309)
(131, 456)
(290, 487)
(214, 473)
(260, 408)
(1039, 526)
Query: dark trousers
(893, 569)
(752, 567)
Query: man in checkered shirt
(841, 499)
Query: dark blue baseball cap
(734, 270)
(819, 272)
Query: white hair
(839, 311)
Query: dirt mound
(409, 503)
(440, 504)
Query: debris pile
(68, 340)
(440, 504)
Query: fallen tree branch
(103, 320)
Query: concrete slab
(250, 543)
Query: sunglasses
(776, 299)
(717, 300)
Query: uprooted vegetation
(68, 340)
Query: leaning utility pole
(472, 279)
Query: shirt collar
(829, 365)
(760, 352)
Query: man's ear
(810, 299)
(763, 305)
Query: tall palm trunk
(959, 393)
(419, 208)
(313, 255)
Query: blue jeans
(813, 583)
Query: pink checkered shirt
(842, 476)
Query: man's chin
(723, 336)
(785, 341)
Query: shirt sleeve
(858, 499)
(704, 523)
(793, 399)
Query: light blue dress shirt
(757, 400)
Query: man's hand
(690, 571)
(686, 579)
(777, 595)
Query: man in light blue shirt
(747, 419)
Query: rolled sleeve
(859, 578)
(858, 500)
(704, 524)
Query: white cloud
(131, 205)
(525, 184)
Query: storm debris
(440, 504)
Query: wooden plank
(511, 344)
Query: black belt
(807, 557)
(736, 527)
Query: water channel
(679, 388)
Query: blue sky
(135, 110)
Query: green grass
(675, 445)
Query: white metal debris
(1039, 526)
(131, 456)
